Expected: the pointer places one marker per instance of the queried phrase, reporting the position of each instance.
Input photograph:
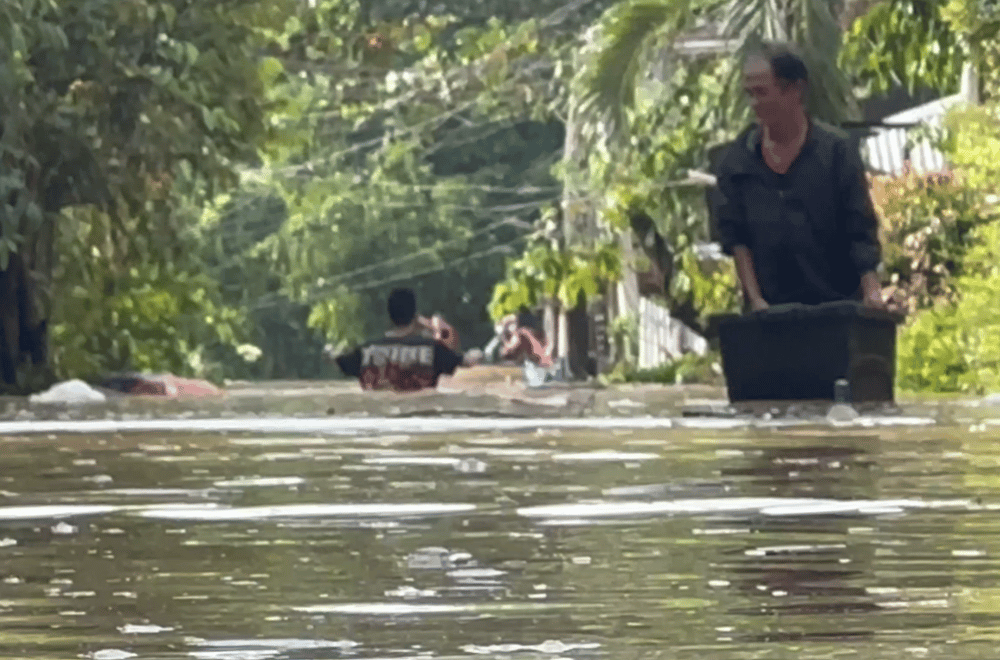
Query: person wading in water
(411, 356)
(522, 341)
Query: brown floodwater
(431, 537)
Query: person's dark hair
(787, 64)
(402, 306)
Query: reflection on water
(682, 541)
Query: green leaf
(269, 69)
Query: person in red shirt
(523, 342)
(412, 355)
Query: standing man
(795, 212)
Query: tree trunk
(579, 229)
(23, 337)
(578, 355)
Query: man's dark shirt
(403, 364)
(813, 230)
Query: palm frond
(811, 25)
(611, 66)
(609, 74)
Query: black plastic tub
(797, 352)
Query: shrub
(688, 369)
(926, 227)
(955, 346)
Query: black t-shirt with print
(403, 364)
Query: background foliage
(219, 188)
(943, 240)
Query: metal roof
(886, 150)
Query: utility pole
(579, 222)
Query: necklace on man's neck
(792, 148)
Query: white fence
(663, 338)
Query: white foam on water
(388, 510)
(655, 508)
(415, 609)
(408, 591)
(573, 522)
(820, 508)
(413, 460)
(142, 629)
(239, 654)
(723, 424)
(152, 492)
(889, 420)
(626, 403)
(832, 510)
(278, 442)
(385, 609)
(279, 456)
(476, 573)
(290, 644)
(549, 646)
(606, 456)
(247, 482)
(792, 549)
(112, 654)
(327, 425)
(411, 425)
(756, 505)
(54, 511)
(514, 453)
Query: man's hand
(874, 301)
(872, 291)
(748, 278)
(443, 332)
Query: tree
(909, 43)
(417, 171)
(106, 107)
(635, 32)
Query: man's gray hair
(787, 64)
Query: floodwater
(498, 538)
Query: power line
(393, 102)
(231, 211)
(472, 257)
(413, 255)
(428, 250)
(554, 18)
(303, 168)
(227, 224)
(524, 190)
(390, 134)
(317, 293)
